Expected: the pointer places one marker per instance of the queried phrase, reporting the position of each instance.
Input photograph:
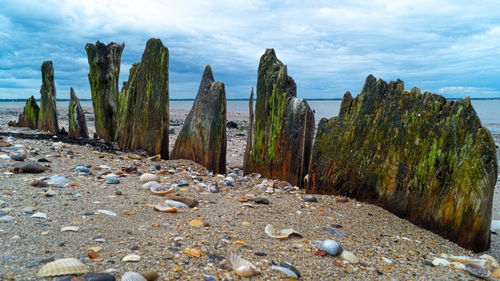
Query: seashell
(213, 188)
(478, 271)
(146, 177)
(165, 208)
(458, 265)
(131, 258)
(349, 256)
(176, 204)
(70, 228)
(155, 158)
(243, 267)
(132, 276)
(39, 215)
(106, 212)
(466, 260)
(161, 189)
(280, 234)
(150, 275)
(149, 184)
(330, 247)
(285, 270)
(62, 267)
(494, 262)
(440, 262)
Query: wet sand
(388, 247)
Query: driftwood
(98, 144)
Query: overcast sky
(447, 47)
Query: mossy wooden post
(104, 62)
(76, 116)
(423, 158)
(248, 148)
(284, 125)
(29, 117)
(203, 135)
(143, 112)
(47, 119)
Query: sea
(487, 109)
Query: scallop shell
(62, 267)
(243, 267)
(132, 276)
(280, 234)
(161, 189)
(149, 177)
(166, 208)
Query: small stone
(43, 160)
(113, 180)
(232, 125)
(330, 247)
(17, 157)
(261, 200)
(213, 188)
(428, 263)
(310, 199)
(182, 183)
(229, 183)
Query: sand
(388, 247)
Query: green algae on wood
(203, 135)
(47, 119)
(104, 62)
(420, 156)
(143, 111)
(248, 147)
(76, 116)
(29, 117)
(284, 125)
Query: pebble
(310, 199)
(229, 183)
(82, 169)
(331, 247)
(17, 157)
(182, 183)
(213, 188)
(113, 180)
(261, 200)
(43, 160)
(147, 177)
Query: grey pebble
(310, 199)
(260, 200)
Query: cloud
(329, 47)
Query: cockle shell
(280, 234)
(62, 267)
(132, 276)
(149, 177)
(243, 267)
(161, 189)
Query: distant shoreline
(234, 99)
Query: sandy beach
(232, 220)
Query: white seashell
(243, 267)
(132, 276)
(149, 184)
(70, 228)
(458, 265)
(131, 258)
(280, 234)
(149, 177)
(161, 189)
(349, 256)
(110, 176)
(440, 262)
(386, 260)
(285, 270)
(330, 247)
(176, 204)
(466, 260)
(39, 215)
(62, 267)
(105, 167)
(106, 212)
(494, 262)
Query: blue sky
(446, 47)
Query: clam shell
(131, 258)
(280, 234)
(349, 256)
(243, 267)
(149, 177)
(162, 207)
(161, 189)
(62, 267)
(132, 276)
(330, 247)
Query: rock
(28, 167)
(143, 113)
(29, 117)
(190, 202)
(425, 159)
(77, 123)
(284, 125)
(18, 157)
(104, 63)
(260, 200)
(310, 199)
(231, 125)
(330, 247)
(47, 118)
(203, 135)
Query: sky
(449, 47)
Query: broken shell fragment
(280, 234)
(131, 258)
(62, 267)
(161, 189)
(165, 208)
(243, 267)
(478, 271)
